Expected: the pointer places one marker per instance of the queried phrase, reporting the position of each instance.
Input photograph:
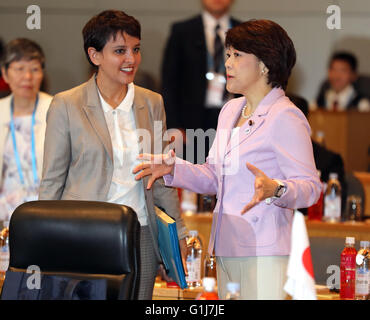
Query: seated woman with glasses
(22, 125)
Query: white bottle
(233, 291)
(332, 200)
(189, 202)
(4, 252)
(363, 272)
(193, 259)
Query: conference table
(162, 292)
(202, 223)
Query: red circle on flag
(307, 261)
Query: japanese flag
(301, 282)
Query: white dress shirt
(342, 98)
(121, 124)
(210, 24)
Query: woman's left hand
(264, 187)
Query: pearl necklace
(243, 113)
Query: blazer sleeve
(164, 197)
(291, 142)
(57, 151)
(199, 178)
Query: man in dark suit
(343, 89)
(194, 51)
(326, 161)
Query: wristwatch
(280, 189)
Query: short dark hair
(270, 43)
(22, 48)
(346, 57)
(100, 28)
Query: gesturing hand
(264, 187)
(155, 165)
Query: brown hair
(270, 43)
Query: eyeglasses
(35, 71)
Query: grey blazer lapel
(95, 114)
(143, 122)
(144, 129)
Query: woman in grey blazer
(93, 131)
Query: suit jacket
(328, 161)
(184, 67)
(78, 157)
(277, 141)
(40, 126)
(352, 103)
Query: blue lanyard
(33, 152)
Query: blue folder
(169, 248)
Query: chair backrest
(85, 239)
(325, 252)
(355, 187)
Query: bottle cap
(350, 240)
(233, 286)
(364, 244)
(193, 233)
(209, 283)
(333, 175)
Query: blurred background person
(341, 92)
(326, 161)
(193, 71)
(22, 124)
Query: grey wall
(305, 21)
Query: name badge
(215, 90)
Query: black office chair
(78, 239)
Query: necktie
(219, 50)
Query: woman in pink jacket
(260, 166)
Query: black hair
(100, 28)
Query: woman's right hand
(155, 165)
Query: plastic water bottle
(363, 272)
(209, 289)
(210, 266)
(348, 270)
(333, 193)
(4, 252)
(193, 259)
(189, 202)
(233, 291)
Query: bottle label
(332, 206)
(4, 260)
(360, 259)
(193, 266)
(362, 282)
